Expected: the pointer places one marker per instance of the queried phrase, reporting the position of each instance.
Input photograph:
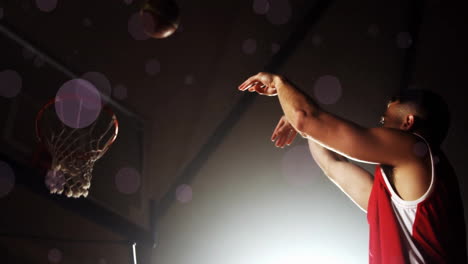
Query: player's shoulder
(410, 146)
(396, 136)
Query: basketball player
(412, 201)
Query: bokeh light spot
(78, 103)
(7, 179)
(298, 167)
(261, 7)
(184, 193)
(120, 91)
(404, 40)
(275, 47)
(373, 30)
(279, 12)
(189, 79)
(54, 255)
(249, 46)
(46, 5)
(152, 67)
(100, 82)
(127, 180)
(10, 83)
(327, 89)
(420, 149)
(87, 22)
(135, 27)
(316, 40)
(128, 2)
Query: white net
(74, 151)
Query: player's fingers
(281, 122)
(244, 84)
(280, 125)
(278, 137)
(281, 140)
(249, 87)
(260, 87)
(251, 80)
(261, 77)
(268, 91)
(254, 87)
(257, 87)
(283, 136)
(263, 89)
(292, 136)
(278, 141)
(277, 131)
(274, 136)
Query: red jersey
(430, 229)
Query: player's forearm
(297, 106)
(324, 157)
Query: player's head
(418, 111)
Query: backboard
(118, 176)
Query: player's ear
(408, 122)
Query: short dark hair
(432, 112)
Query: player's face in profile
(390, 118)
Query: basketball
(160, 18)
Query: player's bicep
(353, 180)
(374, 145)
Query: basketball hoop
(74, 149)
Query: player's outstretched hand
(263, 83)
(284, 133)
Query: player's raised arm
(353, 180)
(375, 145)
